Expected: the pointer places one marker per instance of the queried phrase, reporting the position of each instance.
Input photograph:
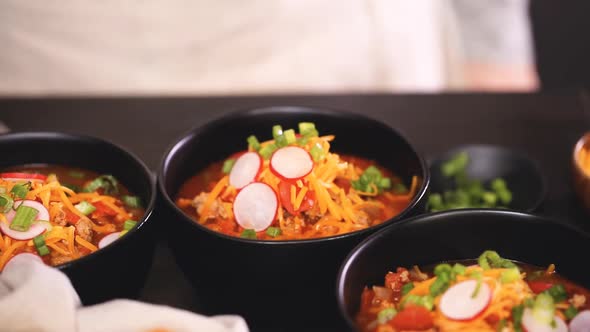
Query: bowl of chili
(80, 204)
(516, 255)
(242, 224)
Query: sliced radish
(291, 163)
(532, 324)
(36, 228)
(15, 176)
(22, 257)
(581, 323)
(105, 241)
(458, 302)
(255, 206)
(42, 215)
(245, 170)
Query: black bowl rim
(50, 135)
(433, 218)
(535, 166)
(258, 111)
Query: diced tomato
(31, 176)
(71, 217)
(102, 210)
(395, 280)
(285, 197)
(415, 318)
(539, 286)
(367, 298)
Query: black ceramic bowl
(461, 234)
(487, 162)
(120, 269)
(272, 283)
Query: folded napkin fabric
(36, 297)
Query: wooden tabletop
(543, 126)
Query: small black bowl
(273, 283)
(456, 235)
(487, 162)
(120, 269)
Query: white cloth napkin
(36, 297)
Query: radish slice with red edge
(255, 206)
(22, 257)
(581, 323)
(291, 163)
(105, 241)
(245, 170)
(34, 230)
(16, 176)
(531, 324)
(42, 215)
(458, 302)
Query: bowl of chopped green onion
(485, 176)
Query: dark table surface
(543, 126)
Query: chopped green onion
(455, 165)
(6, 203)
(85, 208)
(228, 165)
(501, 325)
(399, 188)
(43, 250)
(129, 224)
(505, 196)
(517, 312)
(23, 219)
(73, 187)
(544, 308)
(443, 279)
(489, 197)
(439, 285)
(303, 140)
(510, 275)
(253, 143)
(435, 202)
(2, 190)
(268, 150)
(290, 136)
(123, 232)
(273, 231)
(248, 234)
(317, 152)
(371, 179)
(478, 277)
(442, 269)
(557, 292)
(570, 312)
(490, 258)
(407, 288)
(385, 315)
(384, 183)
(39, 240)
(459, 269)
(498, 185)
(76, 174)
(307, 128)
(107, 183)
(277, 131)
(131, 201)
(425, 301)
(21, 190)
(529, 302)
(281, 141)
